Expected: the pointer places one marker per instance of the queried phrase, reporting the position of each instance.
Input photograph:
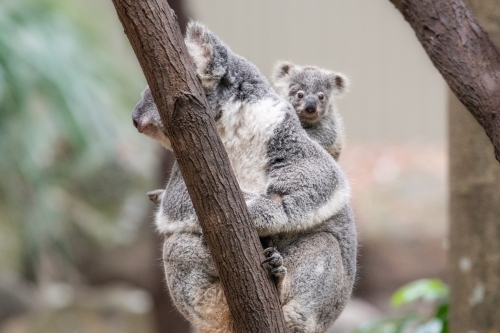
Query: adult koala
(297, 196)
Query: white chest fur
(245, 130)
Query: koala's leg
(194, 284)
(316, 287)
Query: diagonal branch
(463, 54)
(229, 234)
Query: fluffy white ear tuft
(199, 46)
(281, 75)
(281, 70)
(340, 83)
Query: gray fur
(300, 85)
(297, 196)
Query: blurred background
(78, 252)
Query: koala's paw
(248, 196)
(275, 260)
(156, 196)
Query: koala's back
(245, 130)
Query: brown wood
(463, 54)
(229, 234)
(474, 258)
(167, 317)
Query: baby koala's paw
(275, 260)
(156, 196)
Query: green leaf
(429, 290)
(442, 314)
(432, 326)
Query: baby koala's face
(310, 90)
(309, 93)
(147, 120)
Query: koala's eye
(321, 96)
(300, 94)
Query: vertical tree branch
(229, 234)
(463, 54)
(167, 318)
(474, 255)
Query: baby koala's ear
(281, 70)
(281, 75)
(339, 82)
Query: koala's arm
(329, 133)
(156, 196)
(300, 196)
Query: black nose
(136, 124)
(310, 105)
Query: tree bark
(218, 202)
(167, 317)
(474, 259)
(463, 54)
(474, 254)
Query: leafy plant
(431, 291)
(64, 150)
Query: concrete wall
(396, 93)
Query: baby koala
(312, 92)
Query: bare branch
(463, 54)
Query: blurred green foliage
(429, 290)
(433, 292)
(69, 157)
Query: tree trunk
(463, 54)
(474, 255)
(218, 202)
(474, 259)
(470, 64)
(167, 317)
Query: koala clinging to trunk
(311, 91)
(296, 194)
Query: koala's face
(309, 93)
(147, 119)
(310, 90)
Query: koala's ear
(281, 70)
(207, 50)
(339, 82)
(281, 76)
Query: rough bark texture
(229, 234)
(463, 54)
(167, 317)
(474, 259)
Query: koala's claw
(275, 260)
(155, 196)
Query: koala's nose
(310, 105)
(136, 124)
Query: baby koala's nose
(310, 105)
(136, 124)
